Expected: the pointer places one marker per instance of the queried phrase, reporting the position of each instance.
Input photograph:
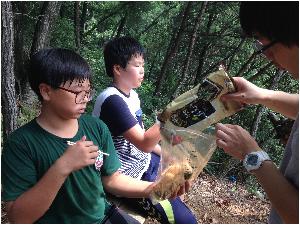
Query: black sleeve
(116, 114)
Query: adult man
(275, 26)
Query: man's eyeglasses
(80, 95)
(260, 48)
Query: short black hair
(119, 51)
(277, 21)
(55, 66)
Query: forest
(184, 42)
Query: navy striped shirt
(121, 112)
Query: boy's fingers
(93, 148)
(187, 186)
(94, 155)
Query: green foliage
(149, 103)
(28, 113)
(59, 38)
(154, 25)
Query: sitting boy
(49, 173)
(119, 107)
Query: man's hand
(247, 93)
(235, 141)
(79, 155)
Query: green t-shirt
(30, 151)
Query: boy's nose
(86, 99)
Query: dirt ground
(219, 201)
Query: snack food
(186, 149)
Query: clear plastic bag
(184, 155)
(186, 147)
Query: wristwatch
(254, 160)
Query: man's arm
(279, 101)
(282, 194)
(237, 142)
(282, 102)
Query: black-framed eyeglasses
(260, 48)
(80, 95)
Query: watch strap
(262, 156)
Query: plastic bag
(186, 148)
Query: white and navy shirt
(121, 112)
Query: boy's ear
(117, 70)
(45, 90)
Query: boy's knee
(175, 211)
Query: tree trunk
(121, 26)
(117, 10)
(174, 43)
(183, 80)
(151, 67)
(156, 20)
(258, 114)
(21, 57)
(9, 107)
(234, 53)
(77, 26)
(41, 38)
(200, 75)
(261, 71)
(246, 64)
(201, 63)
(83, 19)
(204, 50)
(260, 109)
(216, 64)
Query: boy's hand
(182, 189)
(79, 155)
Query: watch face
(252, 160)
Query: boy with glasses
(56, 167)
(119, 107)
(275, 26)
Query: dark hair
(56, 66)
(119, 51)
(277, 21)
